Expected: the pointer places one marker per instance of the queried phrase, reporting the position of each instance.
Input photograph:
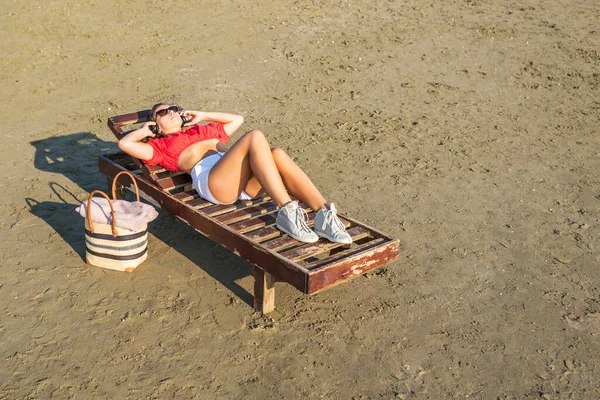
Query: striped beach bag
(110, 246)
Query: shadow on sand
(61, 217)
(76, 157)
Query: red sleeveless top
(168, 149)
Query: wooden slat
(155, 169)
(173, 181)
(128, 119)
(281, 243)
(247, 213)
(350, 267)
(133, 168)
(199, 203)
(187, 195)
(314, 249)
(255, 223)
(218, 209)
(355, 249)
(122, 159)
(264, 234)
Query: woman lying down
(249, 169)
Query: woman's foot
(292, 220)
(329, 226)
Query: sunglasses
(165, 111)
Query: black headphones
(156, 130)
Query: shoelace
(302, 219)
(332, 218)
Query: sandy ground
(467, 129)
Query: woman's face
(170, 120)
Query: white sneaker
(292, 220)
(329, 226)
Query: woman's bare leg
(249, 157)
(297, 183)
(250, 164)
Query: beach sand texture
(467, 129)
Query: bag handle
(114, 185)
(112, 212)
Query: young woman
(250, 168)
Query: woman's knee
(256, 135)
(278, 154)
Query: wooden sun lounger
(248, 229)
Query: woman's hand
(193, 117)
(147, 131)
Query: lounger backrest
(116, 125)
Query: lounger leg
(264, 290)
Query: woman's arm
(131, 144)
(231, 122)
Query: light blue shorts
(200, 179)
